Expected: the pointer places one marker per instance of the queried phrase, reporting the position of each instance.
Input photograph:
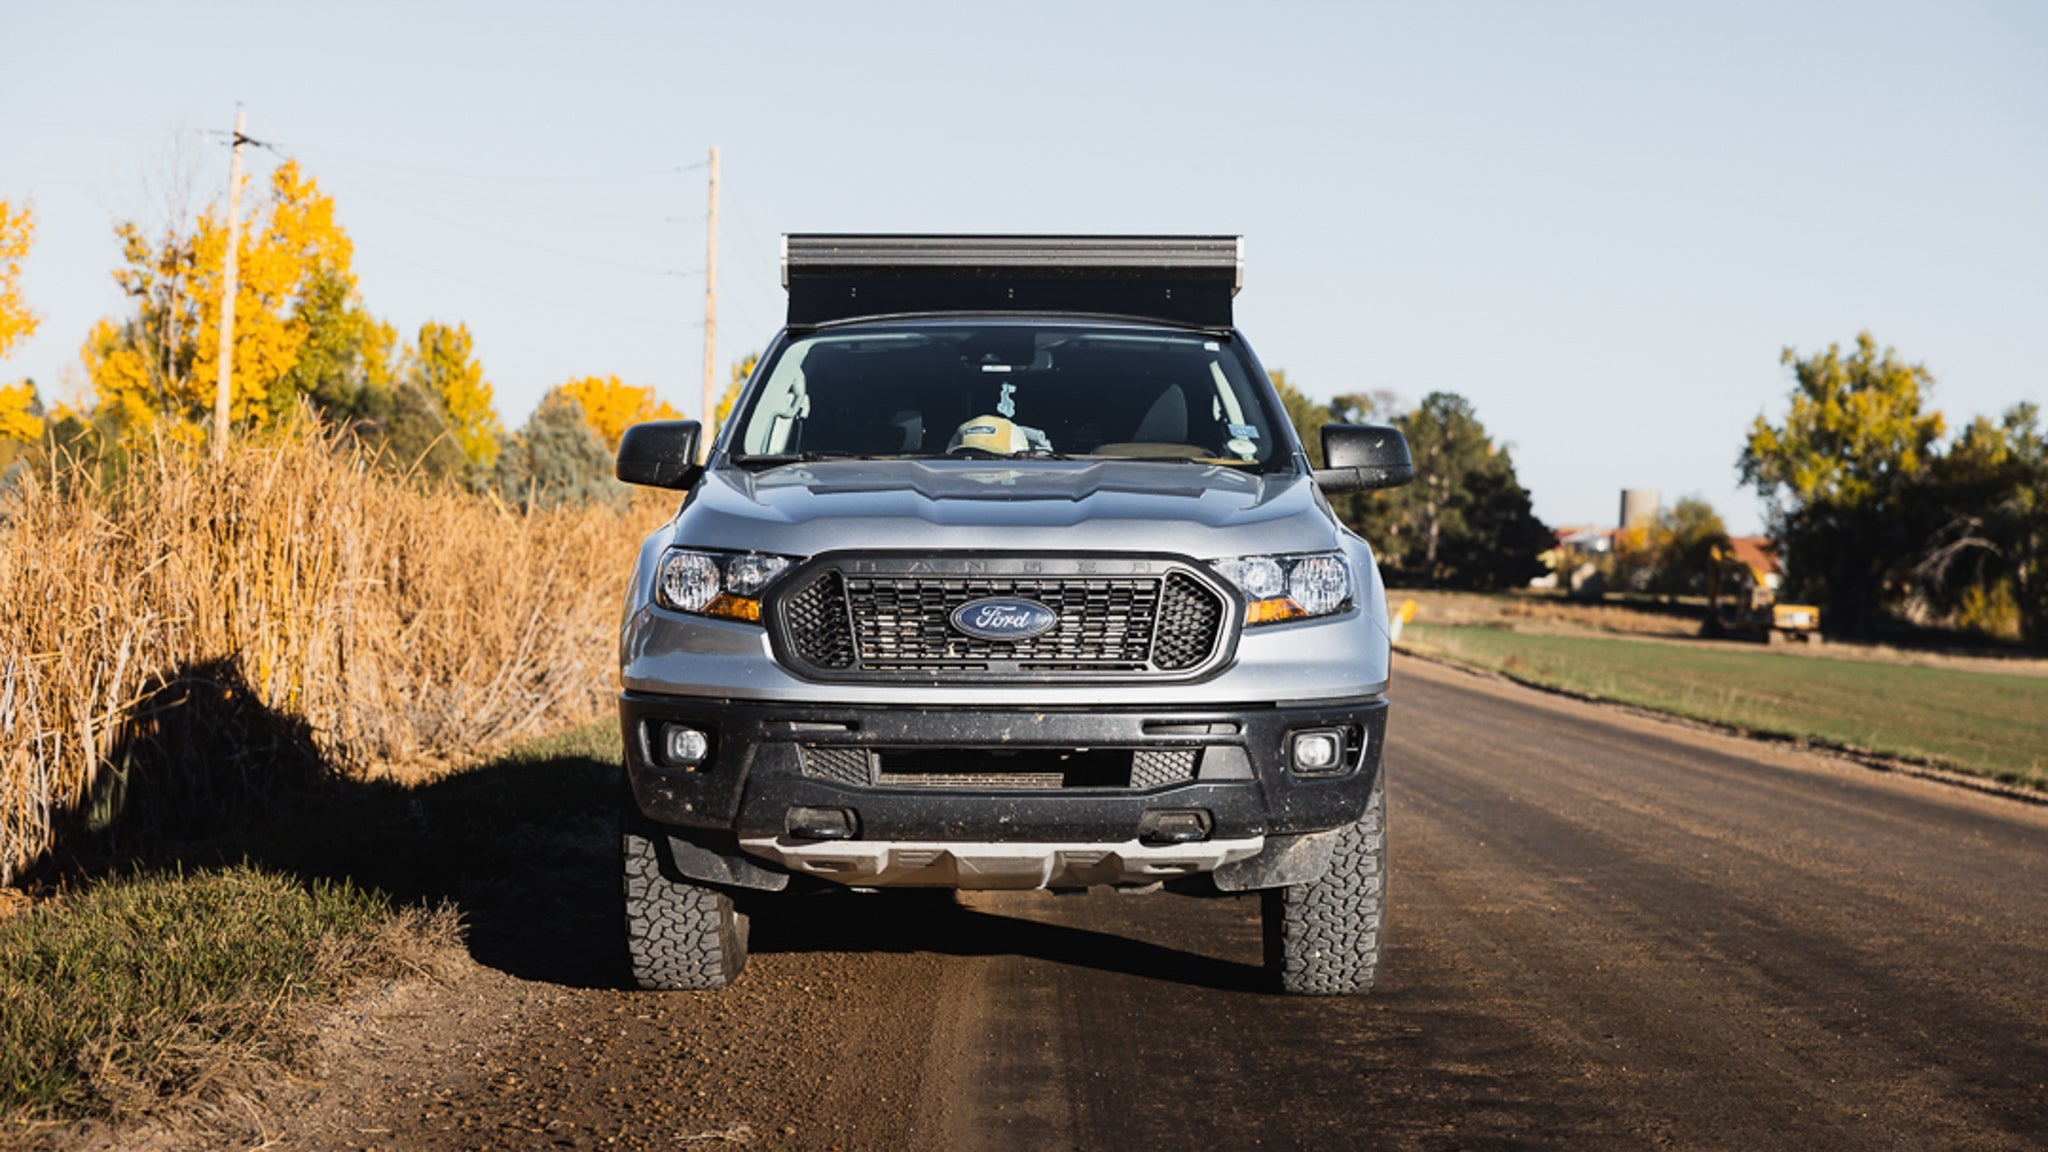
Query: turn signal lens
(1272, 611)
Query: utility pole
(711, 315)
(227, 296)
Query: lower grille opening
(1031, 768)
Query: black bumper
(754, 775)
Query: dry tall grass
(395, 626)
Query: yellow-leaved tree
(21, 417)
(443, 366)
(611, 406)
(17, 231)
(159, 365)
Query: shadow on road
(524, 846)
(932, 921)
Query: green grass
(145, 988)
(179, 976)
(1984, 723)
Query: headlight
(716, 584)
(1280, 588)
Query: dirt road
(1606, 932)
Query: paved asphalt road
(1606, 932)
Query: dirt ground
(1606, 932)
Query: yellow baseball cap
(990, 434)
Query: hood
(1108, 505)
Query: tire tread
(1324, 938)
(680, 935)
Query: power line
(646, 174)
(448, 192)
(499, 286)
(753, 244)
(512, 240)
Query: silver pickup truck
(1007, 572)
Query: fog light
(1318, 750)
(682, 746)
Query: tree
(1501, 540)
(347, 364)
(413, 437)
(21, 412)
(558, 459)
(17, 233)
(1465, 521)
(443, 367)
(1982, 513)
(1837, 475)
(158, 366)
(611, 407)
(1683, 541)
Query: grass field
(1981, 722)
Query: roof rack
(1187, 280)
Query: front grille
(892, 620)
(1188, 616)
(1106, 625)
(817, 622)
(1032, 769)
(839, 765)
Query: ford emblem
(1002, 618)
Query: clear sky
(1599, 222)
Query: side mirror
(1362, 457)
(660, 454)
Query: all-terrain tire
(1324, 938)
(680, 935)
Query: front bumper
(754, 780)
(984, 866)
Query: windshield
(1009, 389)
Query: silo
(1638, 506)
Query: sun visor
(1186, 280)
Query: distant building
(1575, 548)
(1586, 539)
(1639, 506)
(1760, 553)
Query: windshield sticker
(1245, 431)
(1244, 448)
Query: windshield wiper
(1200, 461)
(983, 456)
(777, 459)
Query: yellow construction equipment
(1740, 604)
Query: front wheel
(1324, 938)
(680, 935)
